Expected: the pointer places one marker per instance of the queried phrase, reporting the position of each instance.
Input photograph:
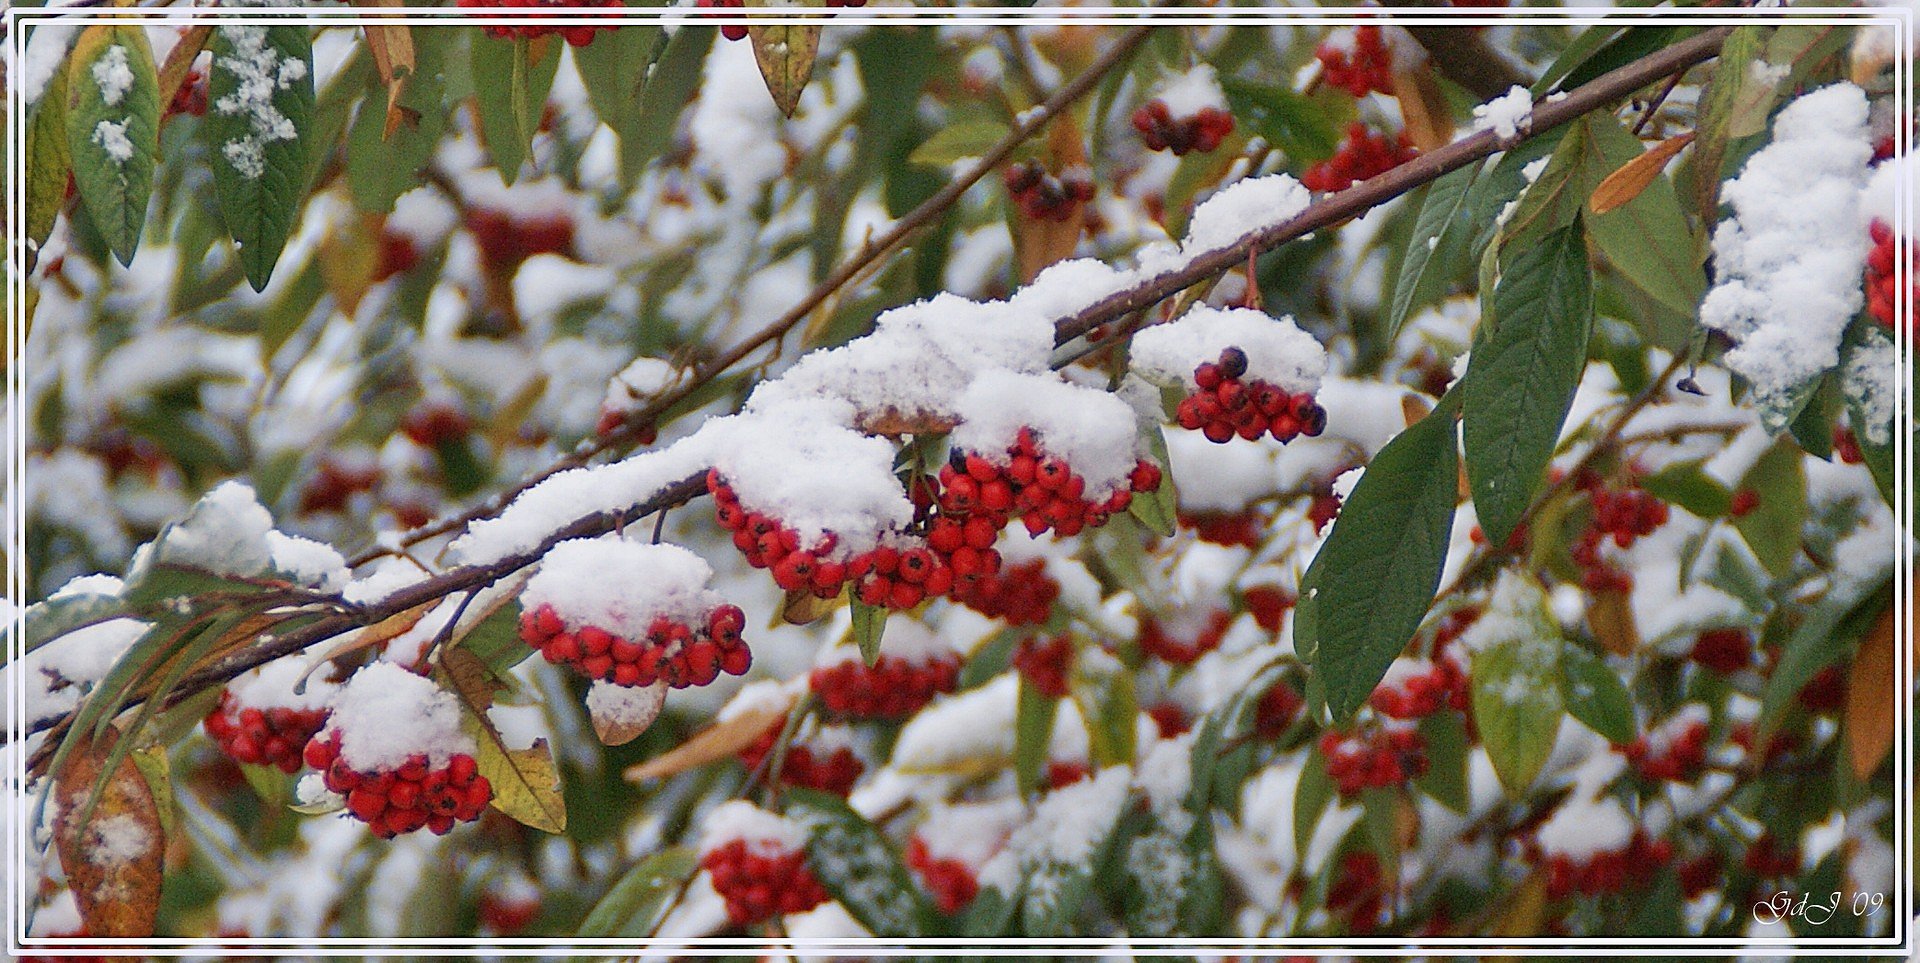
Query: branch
(929, 211)
(1465, 57)
(1328, 211)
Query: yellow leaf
(785, 53)
(718, 741)
(1423, 105)
(113, 860)
(805, 608)
(526, 784)
(349, 258)
(1634, 176)
(1871, 693)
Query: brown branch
(929, 211)
(1465, 57)
(1356, 200)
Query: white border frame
(1898, 18)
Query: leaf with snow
(785, 53)
(111, 843)
(259, 106)
(113, 125)
(1515, 679)
(858, 865)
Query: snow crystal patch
(1067, 826)
(624, 705)
(1277, 351)
(1870, 384)
(621, 586)
(1091, 430)
(1166, 773)
(764, 833)
(1241, 208)
(312, 790)
(97, 584)
(225, 533)
(259, 72)
(958, 729)
(119, 838)
(802, 464)
(640, 380)
(389, 576)
(1516, 610)
(1791, 257)
(271, 686)
(114, 75)
(111, 136)
(1192, 92)
(1507, 115)
(46, 54)
(385, 715)
(970, 832)
(313, 564)
(1067, 286)
(1879, 200)
(906, 639)
(762, 696)
(1582, 827)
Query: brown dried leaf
(377, 633)
(1039, 242)
(1413, 408)
(618, 729)
(470, 678)
(392, 47)
(113, 860)
(1634, 176)
(180, 60)
(1871, 697)
(893, 424)
(1423, 105)
(718, 741)
(1610, 616)
(785, 53)
(806, 608)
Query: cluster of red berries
(1769, 858)
(672, 652)
(1358, 891)
(833, 769)
(263, 737)
(1226, 405)
(1698, 875)
(190, 97)
(1624, 516)
(398, 255)
(1041, 490)
(951, 881)
(1278, 707)
(1675, 756)
(1243, 529)
(402, 800)
(578, 35)
(1045, 665)
(1020, 594)
(1725, 651)
(1384, 756)
(1062, 773)
(759, 882)
(1156, 641)
(1882, 296)
(1608, 871)
(333, 484)
(1202, 131)
(1043, 196)
(507, 914)
(435, 423)
(1365, 153)
(506, 240)
(768, 544)
(1365, 68)
(1847, 445)
(1268, 604)
(1422, 694)
(1169, 719)
(890, 688)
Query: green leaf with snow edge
(1517, 703)
(259, 111)
(858, 866)
(1520, 384)
(113, 129)
(55, 617)
(1374, 577)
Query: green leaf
(1032, 735)
(1646, 239)
(1773, 528)
(1685, 485)
(1517, 706)
(49, 160)
(1595, 695)
(1555, 197)
(113, 146)
(510, 83)
(869, 623)
(971, 138)
(381, 167)
(859, 866)
(496, 640)
(671, 86)
(785, 53)
(1103, 689)
(613, 68)
(635, 904)
(1439, 234)
(1307, 128)
(55, 617)
(1445, 780)
(1499, 187)
(1712, 132)
(259, 109)
(1520, 383)
(1310, 798)
(1157, 510)
(1374, 578)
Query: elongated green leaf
(1438, 234)
(510, 83)
(1831, 628)
(1685, 485)
(1103, 689)
(1520, 383)
(1595, 695)
(1310, 798)
(869, 624)
(1445, 780)
(670, 87)
(383, 166)
(1032, 735)
(1647, 238)
(613, 68)
(951, 144)
(1713, 131)
(1517, 707)
(49, 160)
(859, 866)
(1772, 528)
(1375, 576)
(634, 905)
(259, 109)
(113, 126)
(1305, 127)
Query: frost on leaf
(259, 72)
(111, 136)
(114, 75)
